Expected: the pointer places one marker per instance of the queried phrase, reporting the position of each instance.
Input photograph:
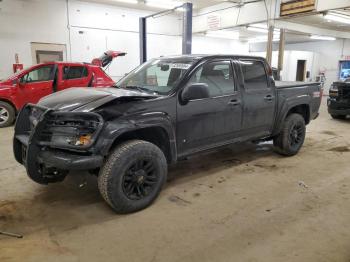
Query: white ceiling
(316, 20)
(319, 21)
(197, 4)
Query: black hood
(87, 99)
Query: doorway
(47, 52)
(43, 56)
(301, 70)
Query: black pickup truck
(339, 100)
(163, 111)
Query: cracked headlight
(73, 130)
(333, 91)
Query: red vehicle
(30, 85)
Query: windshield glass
(157, 76)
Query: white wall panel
(22, 22)
(103, 27)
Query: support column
(281, 50)
(187, 29)
(269, 45)
(143, 39)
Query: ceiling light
(234, 35)
(261, 30)
(163, 4)
(127, 1)
(319, 37)
(262, 39)
(338, 18)
(256, 29)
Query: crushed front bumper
(44, 164)
(338, 107)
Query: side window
(254, 74)
(43, 73)
(217, 75)
(74, 72)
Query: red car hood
(6, 83)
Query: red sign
(17, 67)
(213, 22)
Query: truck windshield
(157, 76)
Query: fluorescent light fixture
(260, 29)
(127, 1)
(234, 35)
(319, 37)
(163, 4)
(338, 18)
(256, 29)
(262, 39)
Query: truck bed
(288, 84)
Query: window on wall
(254, 74)
(344, 72)
(43, 73)
(217, 75)
(74, 72)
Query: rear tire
(133, 176)
(341, 117)
(292, 136)
(7, 114)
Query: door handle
(234, 102)
(269, 98)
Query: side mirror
(195, 91)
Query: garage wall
(21, 22)
(95, 28)
(210, 45)
(326, 57)
(88, 29)
(330, 52)
(290, 63)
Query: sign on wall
(297, 7)
(213, 22)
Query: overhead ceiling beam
(312, 30)
(324, 5)
(232, 14)
(235, 14)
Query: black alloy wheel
(140, 179)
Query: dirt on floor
(243, 203)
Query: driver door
(36, 84)
(205, 123)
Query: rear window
(74, 72)
(254, 74)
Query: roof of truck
(195, 57)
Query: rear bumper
(337, 108)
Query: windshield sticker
(178, 66)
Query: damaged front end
(49, 143)
(339, 98)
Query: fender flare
(113, 130)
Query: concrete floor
(230, 205)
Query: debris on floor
(302, 184)
(10, 234)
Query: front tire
(292, 136)
(133, 176)
(7, 114)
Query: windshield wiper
(139, 88)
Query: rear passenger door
(204, 123)
(259, 98)
(74, 76)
